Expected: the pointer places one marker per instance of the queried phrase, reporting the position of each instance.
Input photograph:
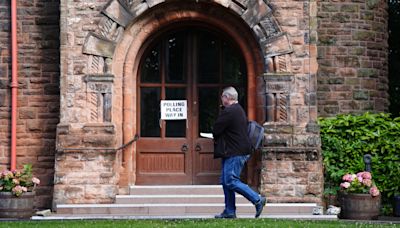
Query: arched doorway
(191, 64)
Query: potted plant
(17, 192)
(359, 197)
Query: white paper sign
(173, 109)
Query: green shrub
(347, 138)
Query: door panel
(207, 169)
(164, 163)
(194, 65)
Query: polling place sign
(173, 109)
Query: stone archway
(116, 47)
(132, 53)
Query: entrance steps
(175, 201)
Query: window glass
(209, 100)
(175, 59)
(175, 128)
(150, 112)
(208, 58)
(233, 68)
(150, 69)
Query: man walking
(231, 125)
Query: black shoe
(260, 206)
(223, 215)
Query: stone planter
(359, 206)
(16, 207)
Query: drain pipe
(14, 84)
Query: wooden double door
(189, 64)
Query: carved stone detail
(255, 12)
(270, 26)
(111, 30)
(282, 107)
(98, 45)
(278, 45)
(96, 64)
(99, 97)
(277, 90)
(129, 2)
(281, 63)
(277, 107)
(119, 13)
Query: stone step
(175, 190)
(182, 209)
(137, 217)
(174, 199)
(178, 200)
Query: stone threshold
(129, 217)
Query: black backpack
(256, 134)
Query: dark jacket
(231, 124)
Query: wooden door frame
(132, 46)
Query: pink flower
(15, 181)
(367, 175)
(18, 190)
(35, 180)
(1, 188)
(345, 185)
(359, 177)
(359, 183)
(349, 177)
(8, 175)
(367, 182)
(374, 191)
(17, 173)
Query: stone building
(92, 74)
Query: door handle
(184, 147)
(198, 147)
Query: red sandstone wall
(352, 56)
(38, 91)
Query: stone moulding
(98, 137)
(99, 78)
(257, 14)
(311, 154)
(97, 45)
(118, 12)
(278, 45)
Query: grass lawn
(193, 223)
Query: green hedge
(347, 138)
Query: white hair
(230, 93)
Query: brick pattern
(352, 56)
(5, 75)
(294, 176)
(291, 162)
(38, 89)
